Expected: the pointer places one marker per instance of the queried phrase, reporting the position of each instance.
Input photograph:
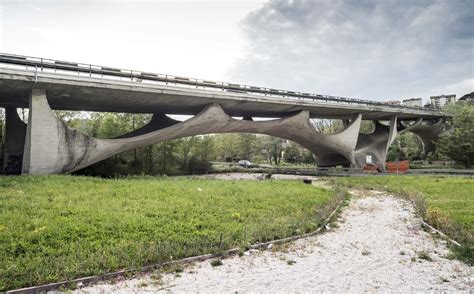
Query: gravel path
(376, 248)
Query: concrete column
(14, 141)
(376, 144)
(51, 147)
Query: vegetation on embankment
(447, 203)
(54, 228)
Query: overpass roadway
(73, 86)
(47, 145)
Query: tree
(184, 148)
(308, 157)
(406, 147)
(458, 142)
(327, 126)
(366, 126)
(166, 156)
(204, 152)
(274, 149)
(247, 145)
(227, 146)
(292, 154)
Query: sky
(369, 49)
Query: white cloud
(364, 49)
(188, 38)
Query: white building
(413, 102)
(441, 100)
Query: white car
(245, 163)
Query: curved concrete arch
(428, 133)
(401, 128)
(52, 147)
(329, 149)
(157, 121)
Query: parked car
(245, 163)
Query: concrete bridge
(46, 145)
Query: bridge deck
(108, 89)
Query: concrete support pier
(51, 147)
(376, 144)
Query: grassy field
(62, 227)
(449, 201)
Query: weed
(402, 252)
(424, 255)
(241, 252)
(464, 253)
(178, 268)
(290, 262)
(155, 276)
(216, 262)
(281, 247)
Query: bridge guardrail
(42, 64)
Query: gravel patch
(256, 176)
(378, 246)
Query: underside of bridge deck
(46, 145)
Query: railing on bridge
(80, 69)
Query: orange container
(400, 167)
(370, 168)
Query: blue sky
(371, 49)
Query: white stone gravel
(255, 176)
(374, 249)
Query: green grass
(454, 196)
(63, 227)
(449, 202)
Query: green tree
(204, 152)
(273, 147)
(293, 153)
(184, 153)
(458, 142)
(406, 147)
(247, 145)
(227, 146)
(308, 157)
(166, 157)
